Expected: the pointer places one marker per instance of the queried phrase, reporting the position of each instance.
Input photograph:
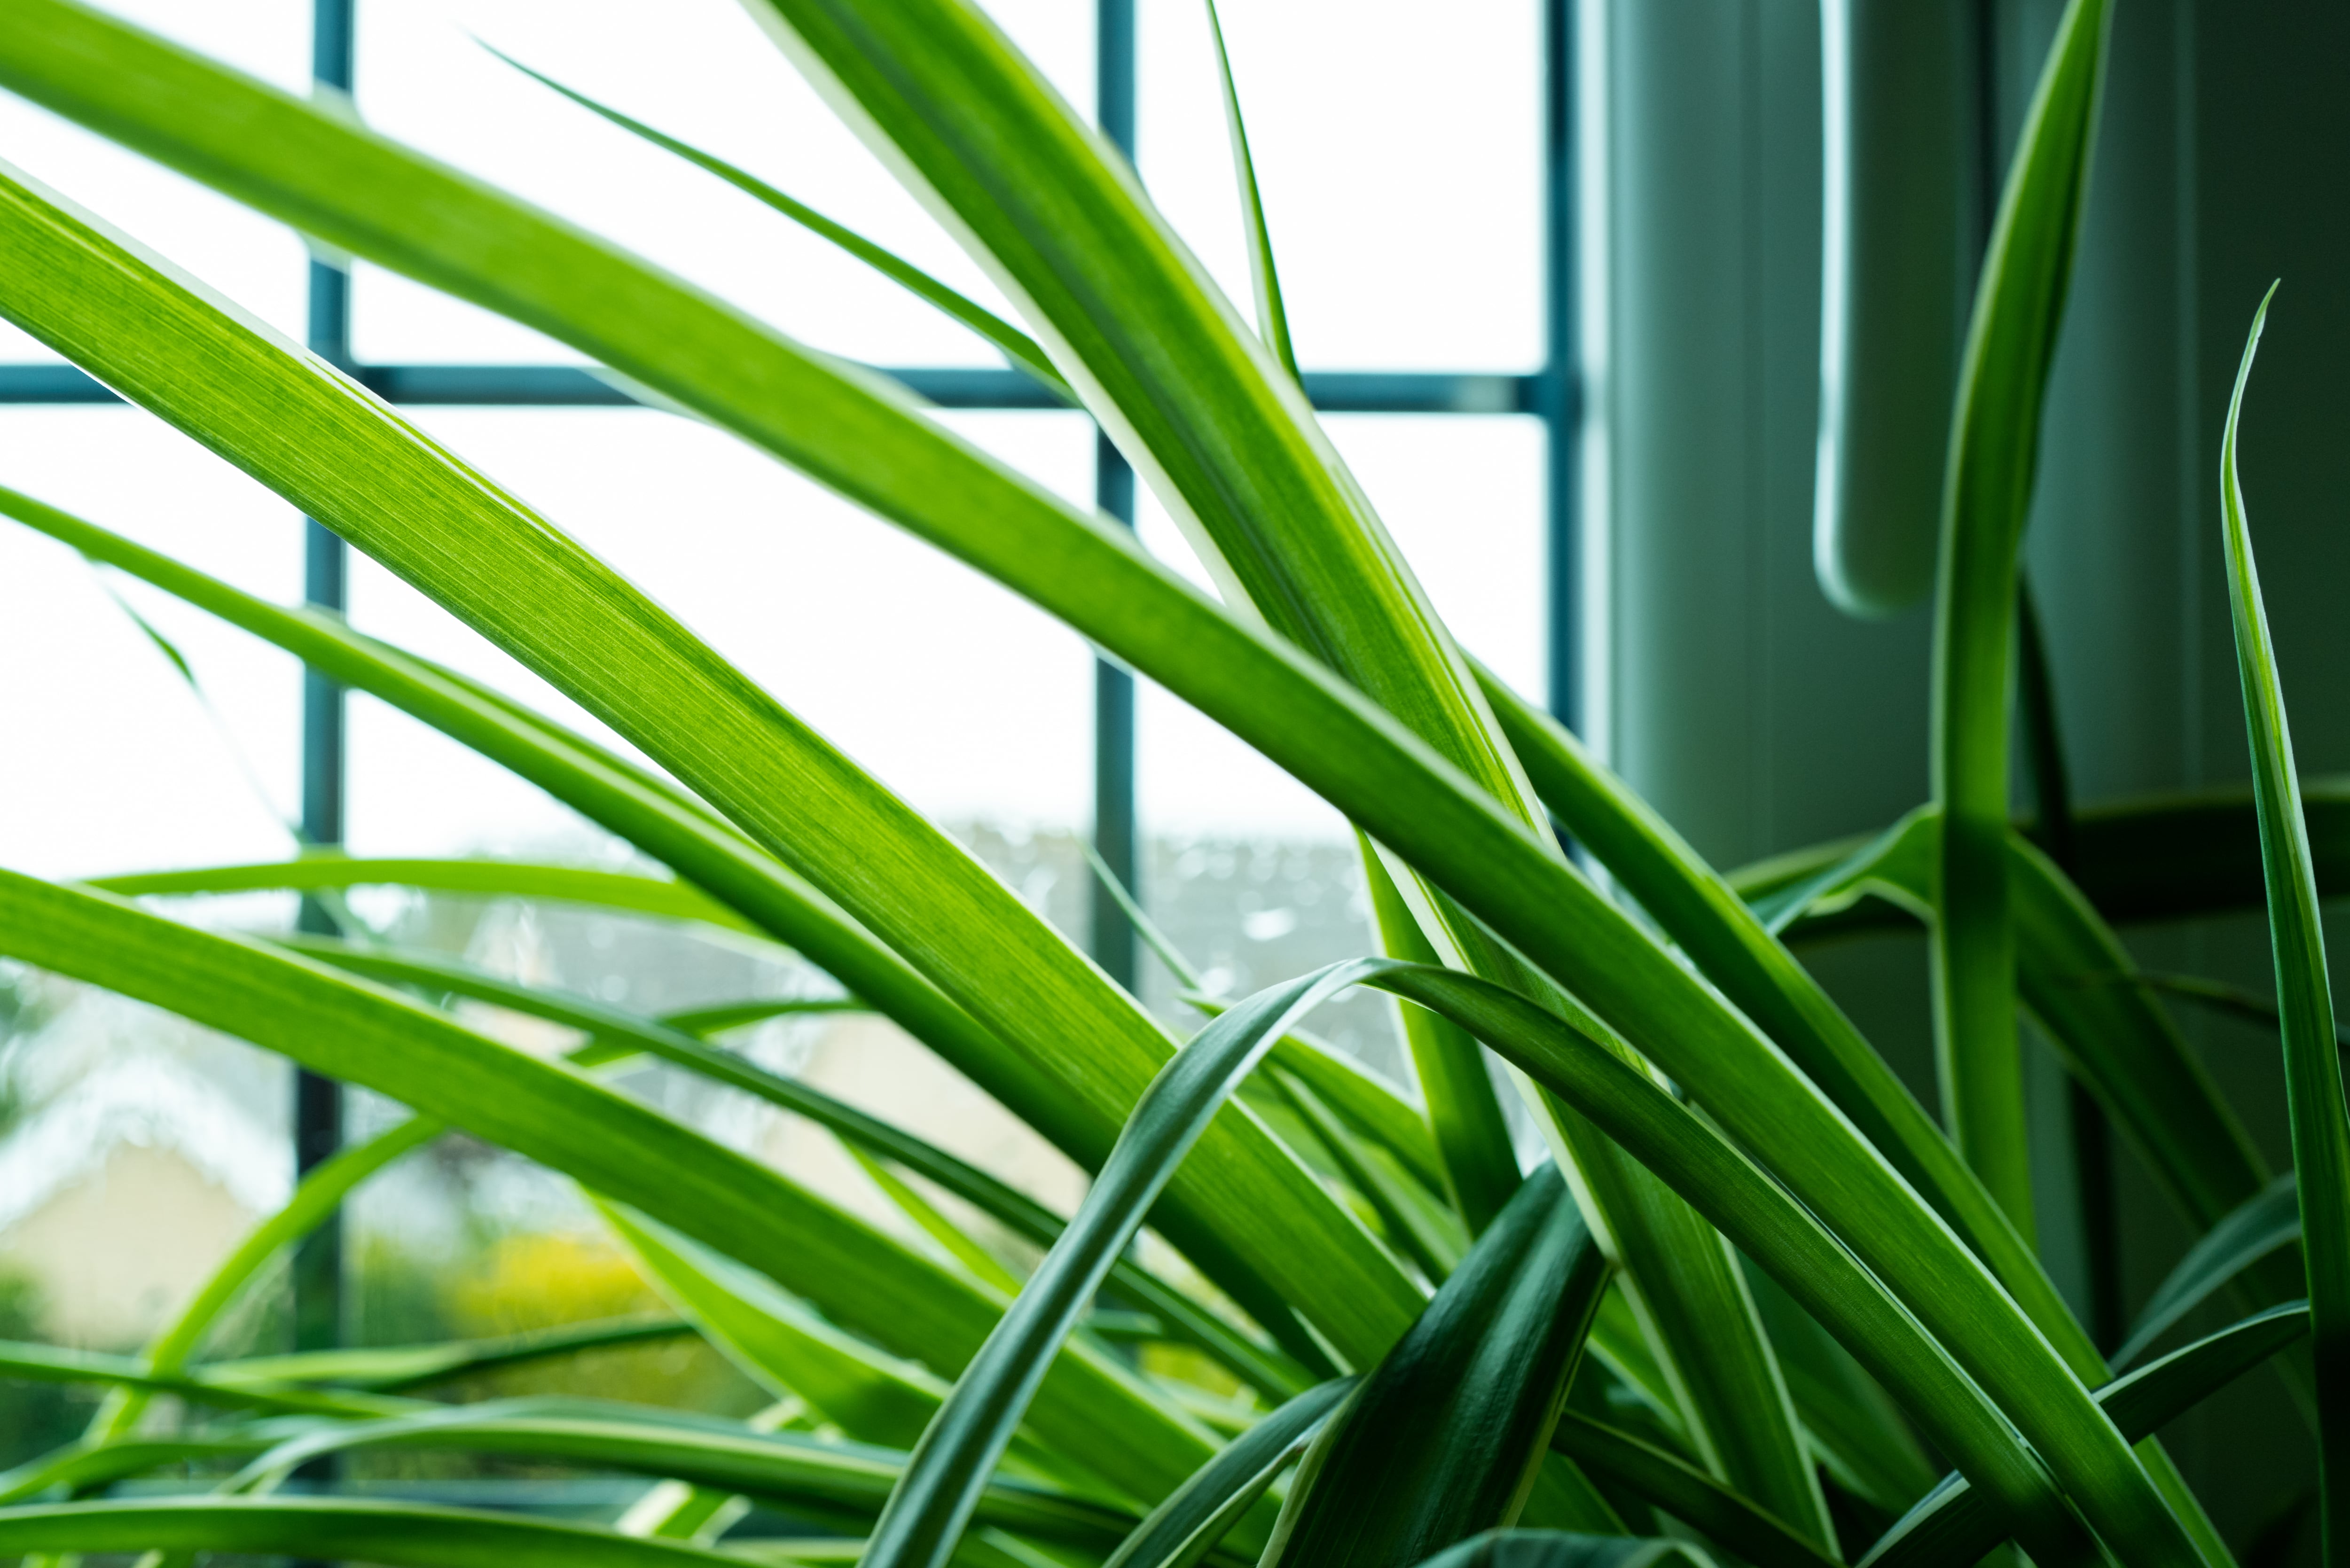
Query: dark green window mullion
(1558, 390)
(1116, 835)
(319, 1101)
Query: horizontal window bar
(564, 386)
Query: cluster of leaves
(1753, 1286)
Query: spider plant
(1748, 1285)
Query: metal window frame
(1551, 393)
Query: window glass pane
(126, 1124)
(248, 258)
(964, 701)
(701, 70)
(116, 764)
(1251, 874)
(1401, 164)
(968, 702)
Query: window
(1397, 165)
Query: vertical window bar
(1558, 394)
(1117, 838)
(319, 1101)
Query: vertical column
(1116, 839)
(319, 1101)
(1560, 394)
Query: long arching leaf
(782, 1467)
(346, 457)
(607, 791)
(1017, 346)
(626, 891)
(344, 1029)
(873, 1398)
(1954, 1524)
(389, 1369)
(1994, 458)
(1445, 1437)
(1559, 1548)
(318, 1194)
(2261, 1226)
(1481, 1167)
(1781, 1237)
(1737, 949)
(2175, 856)
(1686, 1492)
(1272, 315)
(50, 1363)
(2312, 1060)
(353, 188)
(927, 1513)
(615, 1027)
(1197, 1514)
(399, 1535)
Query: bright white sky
(1399, 165)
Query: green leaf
(1954, 1525)
(1017, 346)
(637, 895)
(1686, 1492)
(2121, 1043)
(606, 790)
(1430, 1236)
(340, 456)
(701, 1023)
(981, 1263)
(778, 1342)
(1986, 495)
(1684, 1281)
(49, 1364)
(2130, 1056)
(1619, 1343)
(1272, 318)
(1858, 1432)
(927, 1513)
(1203, 411)
(162, 645)
(84, 1465)
(1480, 1167)
(2312, 1060)
(552, 1113)
(2228, 1001)
(1444, 1439)
(1197, 1514)
(1367, 1099)
(389, 1369)
(781, 1467)
(2264, 1225)
(618, 1029)
(677, 1512)
(1816, 1269)
(2156, 857)
(1370, 1103)
(1559, 1548)
(350, 460)
(397, 1535)
(2113, 1038)
(318, 1194)
(1735, 947)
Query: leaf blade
(551, 1113)
(1479, 1420)
(1994, 437)
(2320, 1119)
